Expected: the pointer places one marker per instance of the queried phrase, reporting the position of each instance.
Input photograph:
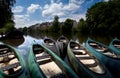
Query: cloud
(49, 10)
(18, 9)
(21, 20)
(53, 9)
(24, 21)
(76, 17)
(33, 7)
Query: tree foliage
(55, 26)
(103, 17)
(67, 26)
(6, 14)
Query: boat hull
(36, 71)
(113, 64)
(83, 70)
(112, 44)
(23, 73)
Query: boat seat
(42, 57)
(44, 61)
(4, 49)
(79, 52)
(9, 59)
(6, 54)
(10, 66)
(86, 58)
(89, 58)
(117, 45)
(92, 65)
(38, 50)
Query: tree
(67, 26)
(102, 16)
(6, 14)
(82, 26)
(55, 25)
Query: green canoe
(106, 55)
(52, 45)
(12, 64)
(84, 63)
(62, 42)
(115, 45)
(44, 63)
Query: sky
(30, 12)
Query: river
(24, 43)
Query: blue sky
(30, 12)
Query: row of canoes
(94, 60)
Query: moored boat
(115, 45)
(12, 65)
(84, 63)
(106, 55)
(62, 42)
(42, 63)
(52, 45)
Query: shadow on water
(14, 42)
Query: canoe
(44, 63)
(115, 45)
(62, 42)
(52, 45)
(12, 64)
(106, 55)
(84, 63)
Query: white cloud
(76, 17)
(49, 10)
(33, 7)
(21, 20)
(53, 9)
(18, 9)
(24, 21)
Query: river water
(24, 43)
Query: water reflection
(14, 42)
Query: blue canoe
(52, 45)
(62, 42)
(12, 64)
(106, 55)
(115, 45)
(44, 63)
(84, 63)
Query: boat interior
(46, 63)
(116, 44)
(102, 49)
(9, 62)
(62, 39)
(86, 58)
(49, 42)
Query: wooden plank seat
(2, 61)
(10, 66)
(7, 54)
(43, 59)
(117, 45)
(4, 49)
(85, 58)
(92, 65)
(79, 52)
